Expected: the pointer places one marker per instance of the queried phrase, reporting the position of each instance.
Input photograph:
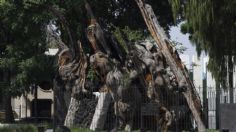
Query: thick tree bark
(60, 105)
(95, 33)
(100, 115)
(35, 88)
(9, 117)
(173, 61)
(71, 76)
(73, 73)
(98, 43)
(70, 117)
(77, 68)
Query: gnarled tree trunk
(70, 80)
(143, 69)
(77, 69)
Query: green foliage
(18, 128)
(22, 46)
(175, 4)
(179, 47)
(23, 32)
(120, 38)
(185, 28)
(122, 13)
(133, 35)
(91, 74)
(211, 24)
(126, 33)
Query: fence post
(231, 78)
(217, 104)
(205, 101)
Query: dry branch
(173, 60)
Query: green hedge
(18, 128)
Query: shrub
(18, 128)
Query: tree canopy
(211, 24)
(22, 45)
(23, 31)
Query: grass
(212, 130)
(32, 128)
(80, 130)
(88, 130)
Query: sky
(187, 56)
(176, 35)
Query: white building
(24, 106)
(198, 65)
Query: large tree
(211, 24)
(24, 24)
(22, 45)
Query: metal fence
(146, 114)
(183, 121)
(213, 101)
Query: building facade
(26, 106)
